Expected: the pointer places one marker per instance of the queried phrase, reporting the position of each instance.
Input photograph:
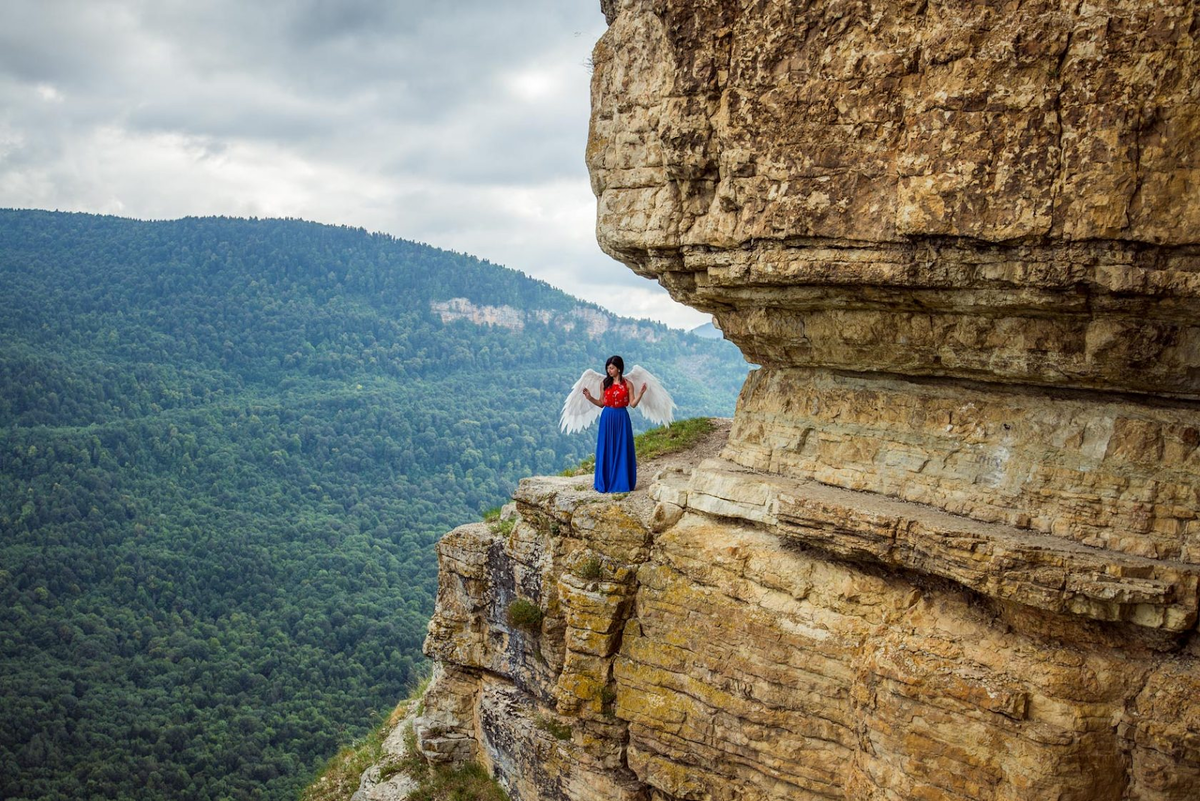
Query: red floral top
(616, 396)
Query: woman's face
(613, 372)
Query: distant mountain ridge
(226, 449)
(584, 319)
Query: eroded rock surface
(951, 549)
(534, 701)
(705, 658)
(1000, 191)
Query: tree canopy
(227, 447)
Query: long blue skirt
(616, 464)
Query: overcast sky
(461, 124)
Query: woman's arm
(588, 395)
(634, 399)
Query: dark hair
(620, 363)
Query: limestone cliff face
(951, 549)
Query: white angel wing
(656, 405)
(578, 412)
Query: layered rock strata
(951, 549)
(689, 651)
(534, 701)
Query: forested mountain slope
(226, 448)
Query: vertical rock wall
(951, 549)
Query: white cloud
(49, 93)
(534, 85)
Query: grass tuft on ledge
(466, 782)
(679, 436)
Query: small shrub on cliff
(559, 731)
(590, 569)
(608, 699)
(495, 524)
(502, 527)
(525, 614)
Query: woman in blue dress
(616, 464)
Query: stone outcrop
(951, 549)
(995, 191)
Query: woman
(616, 463)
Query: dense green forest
(227, 447)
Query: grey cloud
(62, 43)
(327, 49)
(402, 116)
(307, 72)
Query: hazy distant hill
(707, 331)
(226, 448)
